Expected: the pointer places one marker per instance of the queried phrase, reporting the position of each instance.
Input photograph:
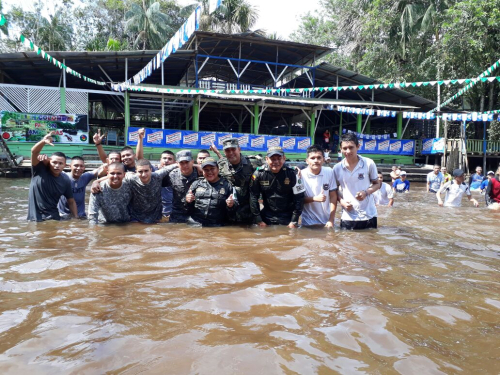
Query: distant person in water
(446, 175)
(401, 185)
(435, 179)
(476, 179)
(492, 194)
(395, 173)
(48, 185)
(455, 190)
(485, 182)
(358, 178)
(128, 157)
(385, 195)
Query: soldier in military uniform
(180, 180)
(282, 192)
(210, 198)
(238, 170)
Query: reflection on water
(417, 296)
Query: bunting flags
(3, 20)
(481, 78)
(29, 44)
(369, 136)
(176, 42)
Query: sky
(275, 16)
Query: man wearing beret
(282, 192)
(238, 170)
(210, 198)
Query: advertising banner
(432, 146)
(387, 147)
(32, 127)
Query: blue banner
(387, 146)
(186, 139)
(432, 146)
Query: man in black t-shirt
(48, 184)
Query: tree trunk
(491, 98)
(481, 103)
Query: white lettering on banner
(173, 138)
(190, 138)
(383, 146)
(303, 144)
(396, 146)
(155, 137)
(274, 142)
(427, 145)
(133, 136)
(370, 145)
(208, 139)
(258, 142)
(224, 137)
(243, 141)
(408, 146)
(289, 144)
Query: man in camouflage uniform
(210, 198)
(180, 180)
(238, 170)
(282, 192)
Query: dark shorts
(432, 191)
(361, 224)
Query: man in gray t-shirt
(146, 204)
(110, 205)
(48, 184)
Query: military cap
(230, 143)
(184, 155)
(458, 173)
(209, 161)
(275, 150)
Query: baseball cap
(491, 172)
(275, 150)
(230, 143)
(402, 173)
(184, 155)
(209, 161)
(458, 172)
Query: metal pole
(484, 146)
(162, 98)
(126, 69)
(439, 106)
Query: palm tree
(233, 16)
(53, 33)
(151, 25)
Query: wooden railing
(474, 146)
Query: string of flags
(175, 43)
(483, 77)
(29, 44)
(369, 136)
(471, 116)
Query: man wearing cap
(210, 198)
(455, 190)
(485, 182)
(180, 180)
(282, 192)
(401, 185)
(238, 170)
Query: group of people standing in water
(228, 189)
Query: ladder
(11, 160)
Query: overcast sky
(275, 16)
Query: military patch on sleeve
(222, 191)
(287, 181)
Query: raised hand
(142, 133)
(48, 138)
(96, 187)
(98, 137)
(230, 201)
(190, 196)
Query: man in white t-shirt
(358, 178)
(385, 195)
(320, 202)
(435, 179)
(455, 190)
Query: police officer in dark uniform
(282, 192)
(210, 198)
(238, 170)
(180, 180)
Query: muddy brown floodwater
(420, 295)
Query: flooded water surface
(420, 295)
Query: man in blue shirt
(476, 179)
(434, 180)
(401, 185)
